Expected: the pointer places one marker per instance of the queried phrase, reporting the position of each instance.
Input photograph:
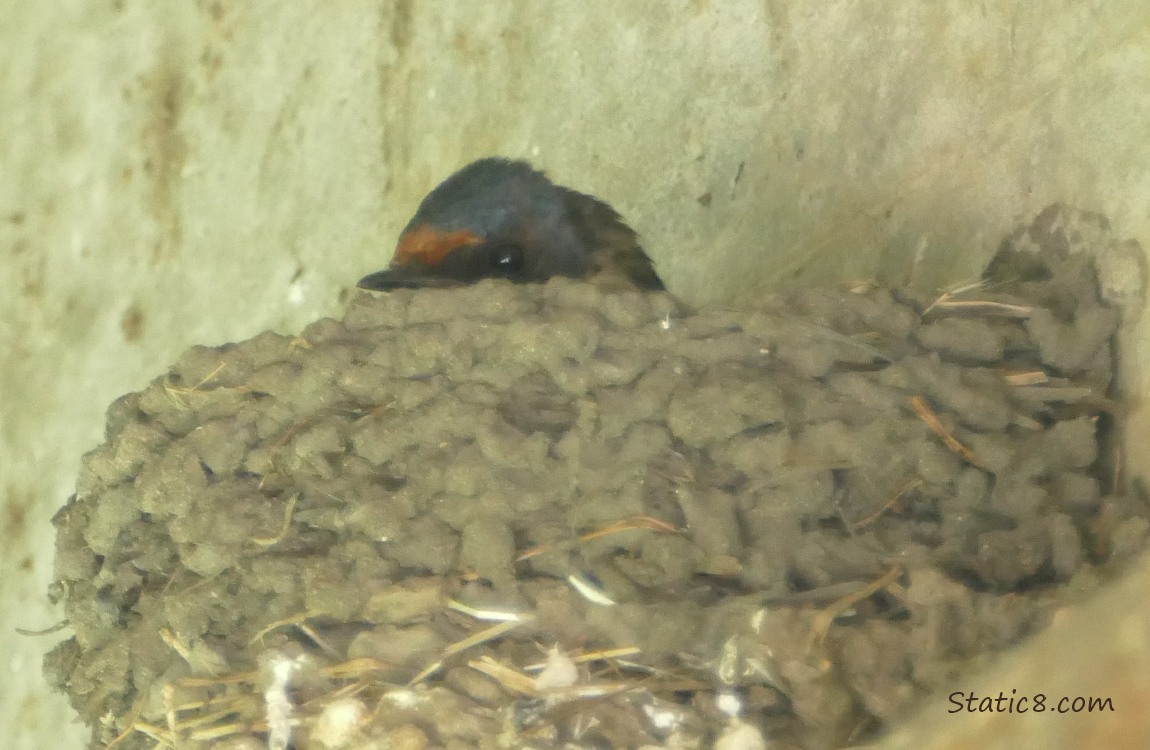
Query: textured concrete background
(196, 172)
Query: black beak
(401, 278)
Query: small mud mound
(500, 515)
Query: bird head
(499, 218)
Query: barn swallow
(501, 218)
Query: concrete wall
(195, 172)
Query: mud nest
(504, 516)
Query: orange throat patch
(427, 246)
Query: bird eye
(506, 258)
